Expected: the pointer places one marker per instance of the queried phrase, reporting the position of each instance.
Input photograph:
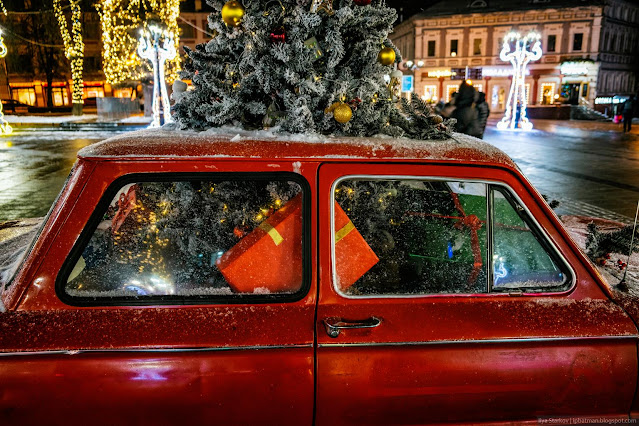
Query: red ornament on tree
(278, 35)
(362, 2)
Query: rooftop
(264, 145)
(457, 7)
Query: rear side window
(420, 237)
(191, 239)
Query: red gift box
(353, 255)
(269, 259)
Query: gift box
(353, 255)
(269, 259)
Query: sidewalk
(72, 121)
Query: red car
(219, 279)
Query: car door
(169, 297)
(447, 294)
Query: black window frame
(551, 46)
(432, 53)
(543, 241)
(455, 43)
(577, 42)
(116, 185)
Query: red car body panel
(465, 358)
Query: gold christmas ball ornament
(386, 56)
(232, 13)
(343, 113)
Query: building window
(547, 93)
(431, 48)
(577, 41)
(453, 47)
(186, 31)
(60, 96)
(430, 93)
(477, 46)
(613, 43)
(450, 89)
(26, 95)
(552, 40)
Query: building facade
(589, 50)
(24, 80)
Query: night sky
(410, 7)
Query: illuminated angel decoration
(519, 52)
(149, 48)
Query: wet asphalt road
(591, 168)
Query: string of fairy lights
(120, 22)
(73, 45)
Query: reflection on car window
(519, 260)
(194, 238)
(410, 237)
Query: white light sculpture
(5, 128)
(519, 52)
(149, 48)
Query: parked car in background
(14, 107)
(204, 278)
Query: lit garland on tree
(73, 49)
(121, 20)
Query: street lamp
(149, 48)
(5, 128)
(519, 51)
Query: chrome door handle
(334, 325)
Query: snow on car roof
(231, 143)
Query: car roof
(264, 145)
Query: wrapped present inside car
(268, 259)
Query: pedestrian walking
(517, 114)
(465, 111)
(483, 111)
(628, 113)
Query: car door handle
(334, 325)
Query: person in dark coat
(465, 111)
(628, 112)
(483, 111)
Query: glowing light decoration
(119, 21)
(5, 128)
(519, 51)
(73, 49)
(158, 46)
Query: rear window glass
(192, 239)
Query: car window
(193, 238)
(395, 237)
(520, 261)
(422, 237)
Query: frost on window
(194, 239)
(411, 237)
(519, 259)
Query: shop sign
(440, 73)
(574, 68)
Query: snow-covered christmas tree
(302, 66)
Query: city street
(591, 168)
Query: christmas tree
(302, 66)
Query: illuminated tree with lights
(5, 128)
(519, 52)
(121, 21)
(73, 49)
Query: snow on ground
(576, 226)
(49, 119)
